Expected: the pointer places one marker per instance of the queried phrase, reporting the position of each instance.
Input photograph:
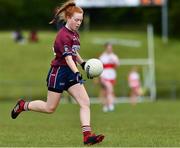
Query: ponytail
(67, 9)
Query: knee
(50, 109)
(109, 89)
(85, 104)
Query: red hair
(66, 10)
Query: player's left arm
(80, 60)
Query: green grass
(144, 125)
(24, 67)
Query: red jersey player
(108, 77)
(63, 74)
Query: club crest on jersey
(75, 38)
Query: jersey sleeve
(66, 46)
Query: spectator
(18, 36)
(33, 36)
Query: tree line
(37, 14)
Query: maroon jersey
(66, 43)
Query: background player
(134, 85)
(63, 74)
(108, 78)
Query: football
(93, 68)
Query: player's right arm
(71, 63)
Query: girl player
(134, 85)
(108, 77)
(63, 74)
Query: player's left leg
(48, 106)
(79, 93)
(20, 106)
(133, 96)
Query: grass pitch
(146, 124)
(24, 67)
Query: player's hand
(83, 67)
(83, 64)
(79, 78)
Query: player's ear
(68, 17)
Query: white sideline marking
(124, 42)
(97, 100)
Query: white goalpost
(148, 65)
(148, 70)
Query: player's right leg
(109, 96)
(49, 106)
